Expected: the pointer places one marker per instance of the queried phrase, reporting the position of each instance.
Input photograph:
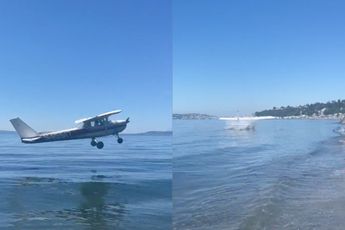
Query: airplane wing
(107, 114)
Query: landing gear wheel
(100, 145)
(93, 142)
(119, 140)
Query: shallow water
(285, 174)
(71, 185)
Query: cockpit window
(95, 123)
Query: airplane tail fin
(23, 130)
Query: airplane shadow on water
(94, 210)
(41, 202)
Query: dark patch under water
(70, 185)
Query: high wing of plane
(103, 115)
(93, 127)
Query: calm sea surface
(71, 185)
(286, 174)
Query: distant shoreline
(195, 116)
(151, 133)
(283, 118)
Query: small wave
(340, 130)
(39, 180)
(96, 177)
(339, 172)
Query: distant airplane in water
(91, 127)
(243, 123)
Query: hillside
(315, 109)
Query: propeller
(127, 120)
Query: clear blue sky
(252, 55)
(63, 60)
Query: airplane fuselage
(110, 128)
(91, 127)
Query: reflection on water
(288, 174)
(35, 202)
(68, 185)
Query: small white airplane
(91, 127)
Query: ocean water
(71, 185)
(285, 174)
